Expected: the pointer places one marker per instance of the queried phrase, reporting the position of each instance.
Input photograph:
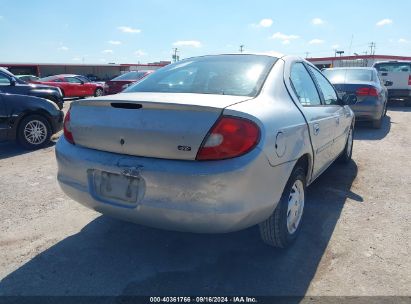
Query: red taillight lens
(67, 129)
(409, 80)
(366, 92)
(229, 137)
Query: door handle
(316, 128)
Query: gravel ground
(355, 237)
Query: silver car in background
(365, 84)
(210, 144)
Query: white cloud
(127, 29)
(317, 21)
(114, 42)
(285, 39)
(384, 22)
(266, 22)
(107, 51)
(335, 46)
(63, 48)
(316, 41)
(140, 53)
(402, 40)
(192, 43)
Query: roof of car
(351, 68)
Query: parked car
(29, 120)
(121, 82)
(209, 144)
(27, 78)
(73, 85)
(372, 95)
(399, 74)
(11, 84)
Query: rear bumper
(206, 197)
(368, 109)
(397, 93)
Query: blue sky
(130, 31)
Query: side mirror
(13, 81)
(349, 99)
(388, 83)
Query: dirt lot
(355, 238)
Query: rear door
(341, 115)
(320, 119)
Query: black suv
(12, 85)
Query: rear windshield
(347, 75)
(393, 67)
(131, 76)
(240, 75)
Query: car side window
(4, 80)
(330, 97)
(304, 86)
(72, 79)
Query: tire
(346, 155)
(34, 132)
(376, 124)
(98, 92)
(277, 230)
(385, 110)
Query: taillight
(229, 137)
(67, 129)
(409, 80)
(366, 91)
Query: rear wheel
(34, 132)
(346, 155)
(282, 227)
(376, 124)
(98, 92)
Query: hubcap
(295, 206)
(35, 132)
(349, 143)
(99, 92)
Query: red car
(73, 85)
(118, 84)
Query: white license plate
(116, 187)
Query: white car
(210, 144)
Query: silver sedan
(210, 144)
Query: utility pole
(372, 48)
(175, 57)
(306, 54)
(242, 48)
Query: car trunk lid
(160, 125)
